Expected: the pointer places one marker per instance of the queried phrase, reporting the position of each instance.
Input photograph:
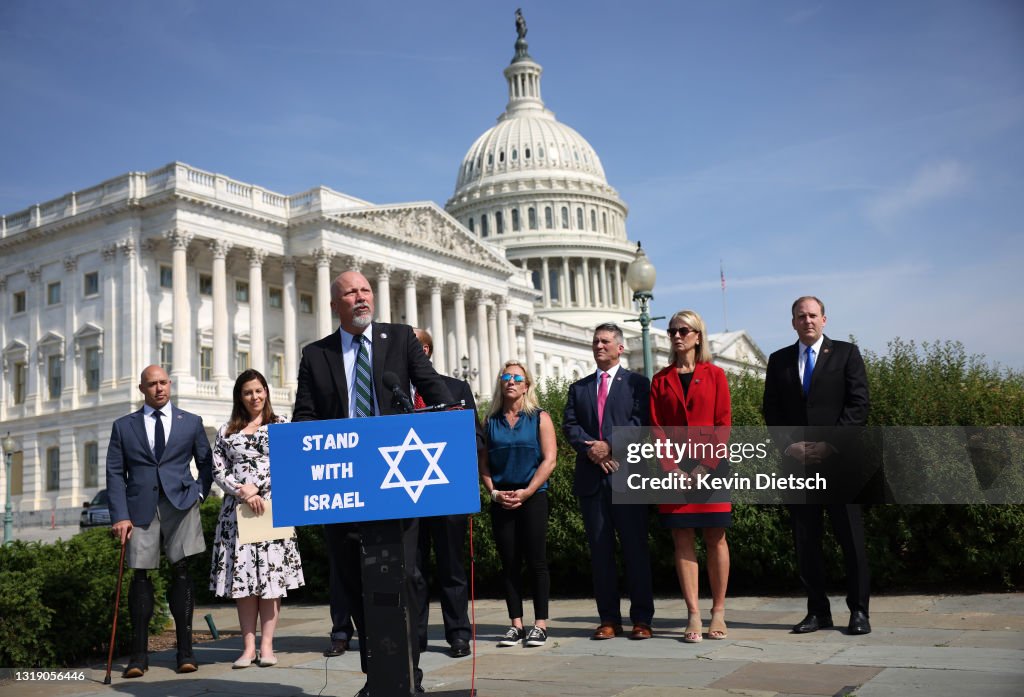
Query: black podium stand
(389, 670)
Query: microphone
(398, 396)
(461, 404)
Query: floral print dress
(263, 569)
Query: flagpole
(725, 310)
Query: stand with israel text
(376, 472)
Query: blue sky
(869, 153)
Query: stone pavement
(921, 645)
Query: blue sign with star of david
(378, 468)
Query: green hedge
(57, 600)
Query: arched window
(501, 156)
(549, 218)
(579, 218)
(515, 154)
(499, 223)
(540, 151)
(531, 215)
(471, 226)
(593, 220)
(515, 220)
(483, 225)
(490, 159)
(565, 217)
(526, 152)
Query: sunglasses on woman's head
(681, 331)
(505, 377)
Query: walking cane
(117, 603)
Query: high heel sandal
(717, 629)
(694, 630)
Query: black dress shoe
(337, 648)
(859, 623)
(459, 648)
(812, 623)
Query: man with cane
(154, 502)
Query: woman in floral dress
(259, 574)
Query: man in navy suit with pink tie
(612, 396)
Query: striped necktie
(363, 382)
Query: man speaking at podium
(341, 376)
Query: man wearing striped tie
(340, 377)
(814, 391)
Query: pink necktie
(602, 397)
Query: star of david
(394, 454)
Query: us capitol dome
(536, 188)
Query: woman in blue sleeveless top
(520, 456)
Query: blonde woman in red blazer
(692, 392)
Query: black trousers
(352, 578)
(341, 615)
(447, 535)
(520, 534)
(808, 532)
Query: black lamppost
(465, 372)
(8, 445)
(640, 276)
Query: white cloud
(930, 183)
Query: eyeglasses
(683, 332)
(505, 377)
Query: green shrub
(64, 597)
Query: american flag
(721, 270)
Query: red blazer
(707, 403)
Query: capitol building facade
(208, 275)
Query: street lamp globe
(640, 274)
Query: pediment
(51, 340)
(89, 331)
(15, 346)
(427, 226)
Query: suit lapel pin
(825, 350)
(383, 335)
(697, 381)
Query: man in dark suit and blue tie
(815, 394)
(154, 502)
(341, 376)
(596, 404)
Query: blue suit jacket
(134, 476)
(628, 404)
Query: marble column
(619, 301)
(531, 358)
(605, 300)
(588, 299)
(483, 359)
(411, 313)
(513, 337)
(112, 319)
(291, 304)
(461, 336)
(324, 321)
(181, 366)
(437, 327)
(545, 281)
(503, 343)
(257, 344)
(566, 296)
(492, 338)
(221, 337)
(383, 299)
